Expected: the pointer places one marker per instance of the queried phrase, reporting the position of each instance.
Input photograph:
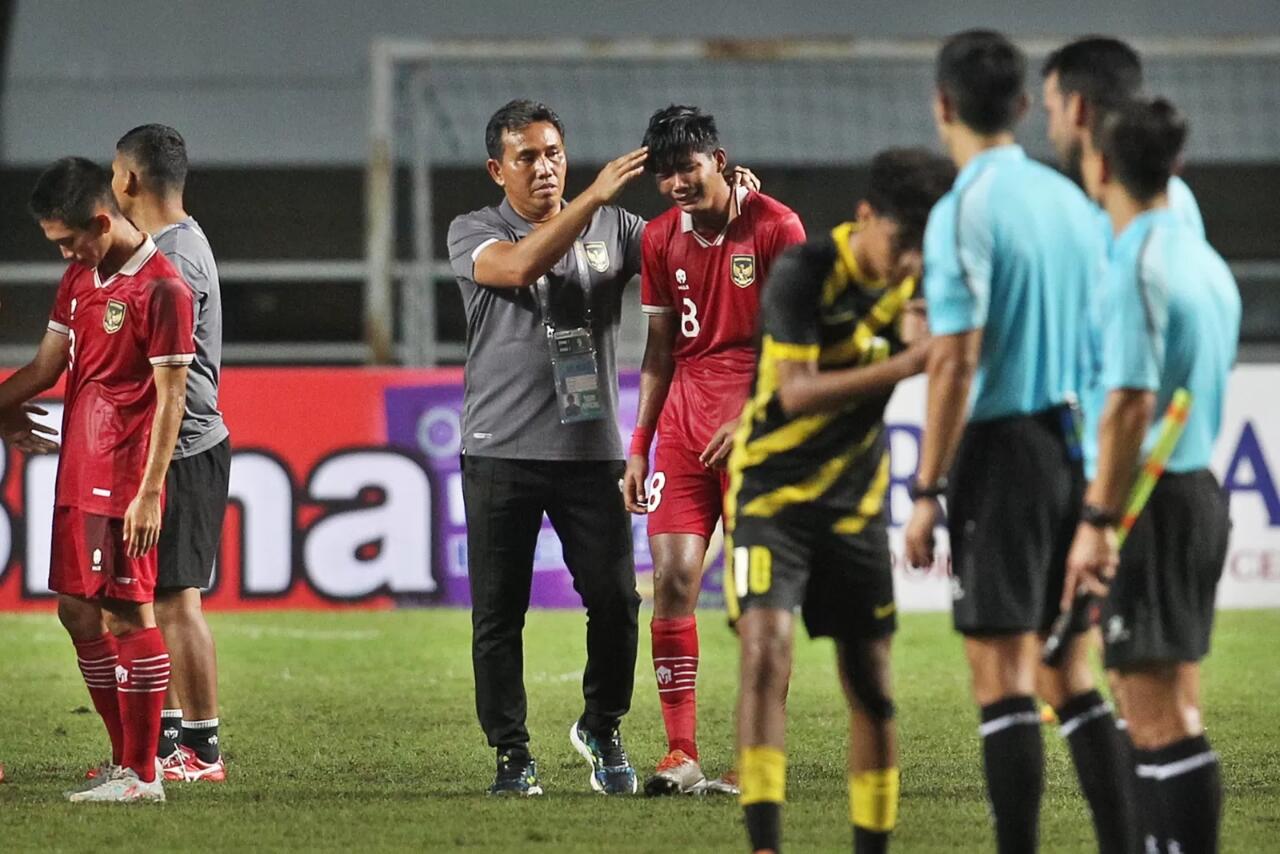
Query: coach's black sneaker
(517, 775)
(611, 772)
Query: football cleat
(517, 775)
(171, 766)
(121, 788)
(725, 784)
(93, 777)
(611, 771)
(677, 774)
(185, 765)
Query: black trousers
(504, 502)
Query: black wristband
(916, 490)
(1092, 514)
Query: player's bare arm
(805, 390)
(142, 518)
(1094, 556)
(914, 324)
(951, 364)
(38, 375)
(516, 265)
(656, 371)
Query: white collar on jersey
(130, 267)
(686, 221)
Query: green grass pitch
(356, 731)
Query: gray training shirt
(186, 247)
(509, 407)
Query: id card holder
(573, 362)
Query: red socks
(97, 660)
(675, 666)
(141, 680)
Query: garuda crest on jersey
(113, 320)
(597, 256)
(742, 269)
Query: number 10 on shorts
(752, 570)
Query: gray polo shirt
(186, 247)
(509, 407)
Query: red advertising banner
(324, 512)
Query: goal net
(792, 103)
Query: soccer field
(357, 731)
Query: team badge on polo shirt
(742, 269)
(597, 256)
(114, 318)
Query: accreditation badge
(573, 362)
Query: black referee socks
(1180, 796)
(1013, 756)
(1102, 767)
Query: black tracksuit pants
(504, 501)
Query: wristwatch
(1092, 514)
(917, 490)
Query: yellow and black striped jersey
(817, 305)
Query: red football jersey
(714, 285)
(118, 330)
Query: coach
(542, 284)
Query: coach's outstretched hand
(633, 494)
(616, 174)
(142, 524)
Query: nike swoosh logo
(882, 611)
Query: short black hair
(160, 152)
(675, 132)
(517, 115)
(983, 73)
(1142, 139)
(71, 191)
(1101, 69)
(905, 185)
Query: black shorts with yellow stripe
(840, 578)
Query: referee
(542, 284)
(148, 175)
(1009, 256)
(1171, 321)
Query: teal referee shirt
(1013, 249)
(1170, 320)
(1182, 203)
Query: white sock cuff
(171, 713)
(212, 722)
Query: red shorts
(88, 559)
(685, 497)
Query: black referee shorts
(195, 501)
(1012, 510)
(1160, 608)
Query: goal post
(778, 103)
